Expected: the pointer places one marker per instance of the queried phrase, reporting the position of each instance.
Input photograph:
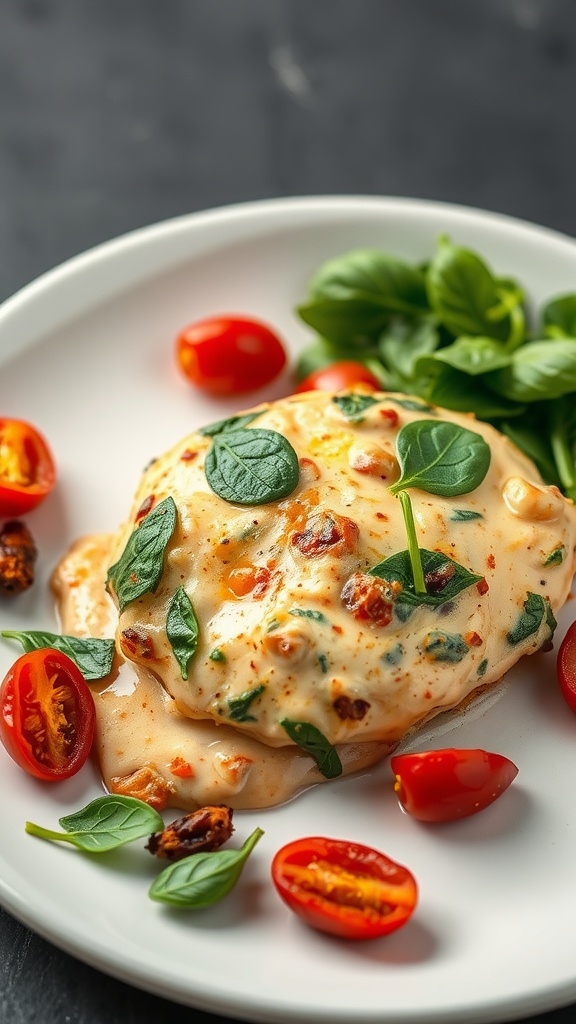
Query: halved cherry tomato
(27, 470)
(47, 715)
(229, 355)
(566, 666)
(343, 888)
(443, 785)
(338, 376)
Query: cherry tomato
(344, 888)
(338, 377)
(47, 715)
(229, 355)
(27, 471)
(443, 785)
(566, 666)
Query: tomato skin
(339, 376)
(566, 667)
(44, 688)
(27, 469)
(344, 888)
(445, 785)
(229, 355)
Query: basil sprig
(440, 457)
(182, 629)
(203, 878)
(139, 569)
(92, 655)
(104, 824)
(315, 743)
(251, 466)
(455, 333)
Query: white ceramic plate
(86, 354)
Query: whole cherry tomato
(566, 665)
(47, 715)
(443, 785)
(344, 888)
(27, 471)
(229, 355)
(338, 376)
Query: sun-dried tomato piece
(145, 784)
(437, 579)
(205, 829)
(369, 598)
(345, 708)
(326, 532)
(17, 557)
(136, 643)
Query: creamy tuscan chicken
(272, 629)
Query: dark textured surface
(118, 113)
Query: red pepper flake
(491, 562)
(482, 587)
(188, 455)
(380, 515)
(473, 640)
(145, 507)
(136, 643)
(390, 415)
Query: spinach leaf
(453, 389)
(411, 405)
(441, 646)
(104, 824)
(93, 656)
(536, 610)
(231, 423)
(402, 343)
(238, 706)
(450, 577)
(202, 878)
(139, 569)
(556, 556)
(353, 296)
(473, 356)
(537, 370)
(182, 629)
(440, 457)
(314, 743)
(353, 406)
(463, 293)
(464, 515)
(559, 317)
(530, 434)
(251, 466)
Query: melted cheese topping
(291, 624)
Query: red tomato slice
(27, 471)
(443, 785)
(47, 715)
(229, 355)
(566, 667)
(339, 376)
(344, 888)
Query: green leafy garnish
(251, 466)
(139, 569)
(104, 824)
(556, 556)
(451, 577)
(310, 613)
(217, 654)
(93, 656)
(464, 515)
(203, 878)
(441, 646)
(535, 611)
(440, 457)
(354, 406)
(238, 706)
(231, 423)
(182, 629)
(314, 743)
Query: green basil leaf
(238, 706)
(538, 370)
(104, 824)
(251, 467)
(93, 656)
(353, 296)
(440, 457)
(441, 646)
(473, 356)
(314, 743)
(402, 344)
(231, 423)
(453, 389)
(202, 878)
(310, 613)
(139, 569)
(559, 317)
(182, 629)
(535, 611)
(398, 568)
(354, 406)
(462, 290)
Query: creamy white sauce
(267, 593)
